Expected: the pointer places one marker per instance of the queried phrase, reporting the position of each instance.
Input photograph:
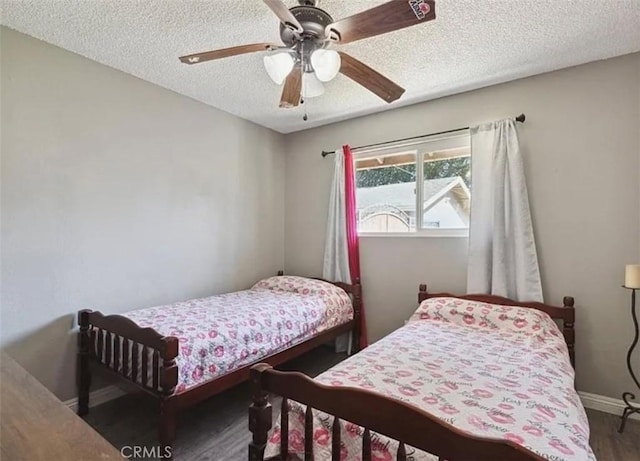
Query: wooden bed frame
(99, 342)
(384, 415)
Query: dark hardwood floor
(217, 429)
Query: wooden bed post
(422, 293)
(83, 372)
(569, 330)
(260, 418)
(168, 383)
(357, 315)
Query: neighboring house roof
(403, 196)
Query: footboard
(139, 355)
(373, 412)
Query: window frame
(419, 148)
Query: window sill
(440, 233)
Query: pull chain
(304, 117)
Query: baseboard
(97, 397)
(604, 404)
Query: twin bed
(186, 352)
(472, 377)
(469, 378)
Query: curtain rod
(520, 118)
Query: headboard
(565, 313)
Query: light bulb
(311, 86)
(326, 63)
(278, 66)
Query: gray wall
(118, 194)
(582, 156)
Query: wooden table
(35, 425)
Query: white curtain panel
(336, 252)
(502, 251)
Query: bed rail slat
(156, 370)
(335, 440)
(100, 346)
(107, 355)
(92, 348)
(145, 365)
(125, 357)
(116, 353)
(366, 445)
(402, 452)
(135, 352)
(308, 434)
(284, 428)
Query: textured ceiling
(472, 43)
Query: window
(421, 189)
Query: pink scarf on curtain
(352, 232)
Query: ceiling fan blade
(286, 17)
(390, 16)
(369, 78)
(292, 89)
(226, 52)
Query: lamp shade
(632, 276)
(311, 86)
(278, 66)
(326, 64)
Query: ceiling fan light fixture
(326, 64)
(306, 32)
(278, 66)
(311, 86)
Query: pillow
(330, 293)
(483, 315)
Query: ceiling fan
(306, 60)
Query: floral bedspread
(222, 333)
(493, 371)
